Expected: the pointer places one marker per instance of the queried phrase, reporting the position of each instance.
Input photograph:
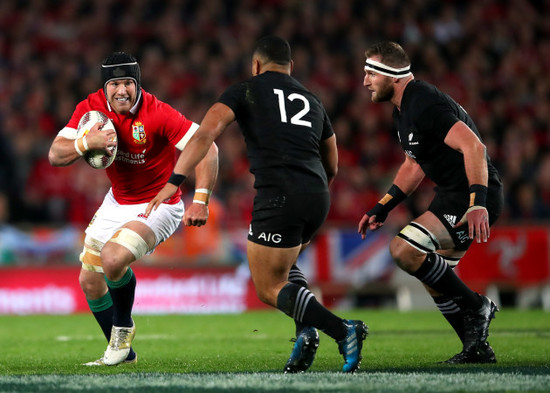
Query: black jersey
(283, 124)
(425, 118)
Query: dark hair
(273, 49)
(120, 65)
(391, 54)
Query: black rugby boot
(481, 354)
(476, 324)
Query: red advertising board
(56, 290)
(513, 256)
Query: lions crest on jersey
(138, 132)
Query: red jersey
(147, 137)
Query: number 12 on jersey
(297, 118)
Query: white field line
(370, 382)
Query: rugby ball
(97, 159)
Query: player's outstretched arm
(218, 117)
(206, 173)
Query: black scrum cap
(120, 65)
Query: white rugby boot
(119, 346)
(101, 362)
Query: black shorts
(450, 207)
(286, 221)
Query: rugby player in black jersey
(441, 142)
(292, 151)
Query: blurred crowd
(489, 55)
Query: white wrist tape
(80, 153)
(202, 196)
(85, 143)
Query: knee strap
(419, 237)
(91, 255)
(132, 241)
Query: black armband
(393, 197)
(478, 195)
(176, 179)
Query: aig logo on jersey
(138, 132)
(270, 237)
(266, 237)
(462, 236)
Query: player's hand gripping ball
(97, 159)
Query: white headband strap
(118, 64)
(376, 66)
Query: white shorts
(111, 216)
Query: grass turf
(246, 352)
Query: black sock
(102, 309)
(296, 276)
(452, 314)
(437, 274)
(299, 303)
(122, 292)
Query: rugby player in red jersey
(148, 132)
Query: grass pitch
(246, 353)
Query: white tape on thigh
(132, 241)
(419, 237)
(91, 255)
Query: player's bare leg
(269, 267)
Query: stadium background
(491, 56)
